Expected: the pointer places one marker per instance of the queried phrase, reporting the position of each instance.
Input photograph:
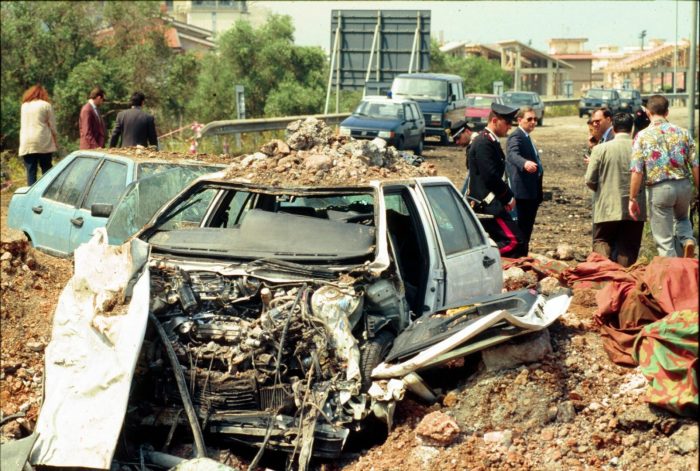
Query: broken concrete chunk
(437, 429)
(516, 278)
(549, 286)
(510, 355)
(566, 412)
(685, 440)
(318, 162)
(503, 438)
(275, 147)
(565, 252)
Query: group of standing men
(134, 126)
(661, 157)
(500, 184)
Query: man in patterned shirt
(664, 156)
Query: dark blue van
(440, 97)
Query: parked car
(439, 96)
(599, 97)
(63, 208)
(478, 109)
(531, 99)
(630, 100)
(397, 121)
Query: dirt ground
(572, 410)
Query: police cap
(457, 128)
(504, 111)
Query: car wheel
(418, 150)
(373, 352)
(444, 140)
(399, 143)
(540, 121)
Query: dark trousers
(32, 163)
(624, 237)
(506, 234)
(527, 212)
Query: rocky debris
(526, 349)
(503, 438)
(550, 286)
(516, 278)
(685, 440)
(313, 155)
(437, 429)
(565, 252)
(15, 255)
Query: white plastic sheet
(92, 355)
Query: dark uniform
(486, 163)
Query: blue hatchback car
(63, 208)
(397, 121)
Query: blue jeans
(32, 163)
(669, 203)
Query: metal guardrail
(272, 124)
(264, 124)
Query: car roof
(519, 92)
(489, 95)
(364, 186)
(145, 155)
(384, 99)
(432, 76)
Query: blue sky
(602, 22)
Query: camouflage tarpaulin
(667, 352)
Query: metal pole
(371, 54)
(692, 69)
(337, 71)
(415, 43)
(675, 52)
(330, 73)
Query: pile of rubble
(29, 286)
(313, 155)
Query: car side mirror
(100, 210)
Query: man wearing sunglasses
(488, 189)
(602, 123)
(524, 169)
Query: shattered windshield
(419, 88)
(378, 110)
(145, 196)
(249, 224)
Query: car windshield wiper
(290, 267)
(361, 114)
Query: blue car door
(58, 203)
(105, 188)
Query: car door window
(107, 185)
(409, 113)
(69, 186)
(456, 226)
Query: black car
(599, 97)
(630, 100)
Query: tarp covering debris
(631, 298)
(92, 355)
(667, 353)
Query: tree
(41, 43)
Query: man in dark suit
(135, 126)
(524, 169)
(92, 128)
(488, 189)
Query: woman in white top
(37, 133)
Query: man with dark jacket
(524, 169)
(135, 126)
(488, 189)
(92, 128)
(462, 136)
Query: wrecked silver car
(281, 316)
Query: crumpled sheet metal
(335, 307)
(533, 321)
(92, 355)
